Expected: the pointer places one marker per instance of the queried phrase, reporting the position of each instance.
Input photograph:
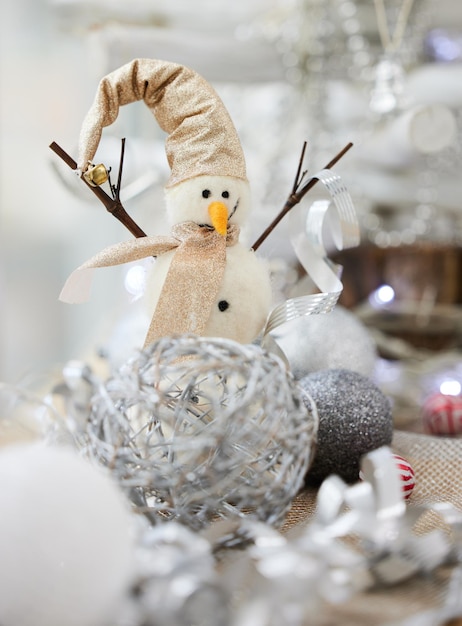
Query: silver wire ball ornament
(196, 429)
(355, 418)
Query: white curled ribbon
(375, 512)
(307, 238)
(314, 561)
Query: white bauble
(336, 340)
(65, 549)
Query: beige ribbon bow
(192, 282)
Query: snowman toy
(204, 281)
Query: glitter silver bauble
(354, 419)
(198, 428)
(327, 341)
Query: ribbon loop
(307, 238)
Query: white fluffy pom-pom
(65, 548)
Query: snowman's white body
(245, 288)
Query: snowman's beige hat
(202, 139)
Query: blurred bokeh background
(386, 75)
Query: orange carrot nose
(219, 215)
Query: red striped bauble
(442, 415)
(406, 474)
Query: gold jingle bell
(96, 175)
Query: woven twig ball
(196, 429)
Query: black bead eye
(206, 193)
(225, 194)
(223, 305)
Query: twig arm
(121, 165)
(113, 205)
(298, 178)
(64, 156)
(297, 195)
(330, 165)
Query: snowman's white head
(213, 200)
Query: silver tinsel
(176, 579)
(354, 418)
(296, 579)
(198, 428)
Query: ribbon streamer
(307, 239)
